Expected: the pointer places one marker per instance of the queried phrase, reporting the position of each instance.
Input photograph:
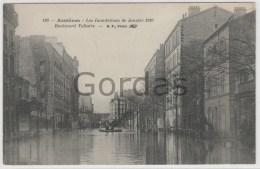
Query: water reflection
(93, 147)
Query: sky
(112, 53)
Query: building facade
(197, 26)
(45, 63)
(124, 109)
(154, 117)
(10, 61)
(85, 105)
(118, 106)
(230, 85)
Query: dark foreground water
(94, 147)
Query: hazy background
(113, 53)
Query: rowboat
(109, 130)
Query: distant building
(117, 106)
(230, 86)
(123, 108)
(86, 105)
(96, 119)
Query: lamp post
(138, 113)
(118, 110)
(177, 128)
(37, 111)
(196, 102)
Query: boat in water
(110, 130)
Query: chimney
(239, 11)
(60, 44)
(193, 10)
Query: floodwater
(94, 147)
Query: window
(11, 65)
(27, 94)
(210, 49)
(174, 60)
(223, 118)
(243, 76)
(222, 84)
(214, 49)
(168, 102)
(173, 40)
(20, 93)
(11, 36)
(5, 33)
(178, 56)
(209, 92)
(6, 64)
(166, 48)
(215, 91)
(223, 44)
(177, 36)
(217, 86)
(209, 115)
(171, 44)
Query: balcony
(246, 87)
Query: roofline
(215, 6)
(229, 21)
(240, 17)
(184, 19)
(219, 29)
(173, 30)
(154, 55)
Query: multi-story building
(117, 106)
(74, 64)
(230, 56)
(153, 118)
(86, 105)
(45, 63)
(197, 26)
(10, 60)
(123, 109)
(86, 109)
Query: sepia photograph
(165, 83)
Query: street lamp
(138, 112)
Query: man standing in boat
(107, 126)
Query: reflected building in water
(92, 147)
(196, 151)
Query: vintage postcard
(129, 83)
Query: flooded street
(93, 147)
